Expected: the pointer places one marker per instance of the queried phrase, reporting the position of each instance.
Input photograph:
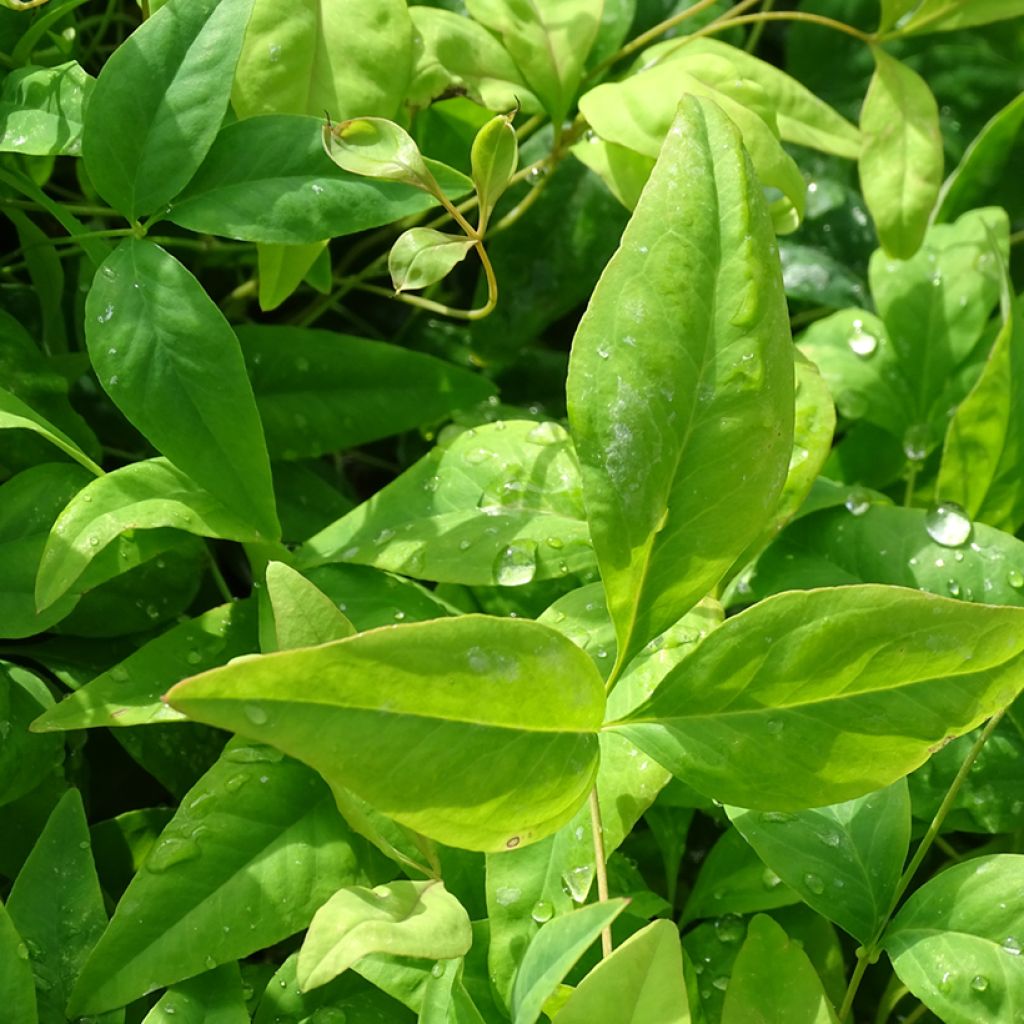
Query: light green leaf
(303, 615)
(772, 980)
(140, 496)
(24, 758)
(29, 504)
(171, 363)
(901, 157)
(214, 997)
(318, 391)
(513, 690)
(844, 860)
(282, 268)
(640, 983)
(268, 179)
(403, 918)
(422, 256)
(494, 158)
(638, 112)
(254, 848)
(308, 56)
(41, 110)
(956, 942)
(159, 100)
(623, 170)
(500, 504)
(666, 393)
(549, 42)
(57, 907)
(824, 695)
(893, 10)
(552, 954)
(129, 692)
(803, 118)
(378, 148)
(454, 51)
(16, 415)
(17, 986)
(950, 15)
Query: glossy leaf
(901, 158)
(403, 918)
(268, 179)
(378, 148)
(751, 717)
(494, 158)
(421, 257)
(512, 690)
(214, 997)
(129, 692)
(318, 391)
(41, 110)
(165, 89)
(303, 615)
(549, 43)
(24, 758)
(950, 15)
(773, 980)
(16, 415)
(642, 981)
(500, 504)
(57, 907)
(168, 359)
(17, 986)
(956, 941)
(844, 860)
(255, 847)
(552, 954)
(661, 386)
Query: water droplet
(22, 951)
(769, 879)
(858, 501)
(814, 884)
(542, 912)
(545, 433)
(915, 443)
(862, 343)
(256, 714)
(432, 483)
(478, 455)
(832, 839)
(947, 524)
(94, 541)
(775, 727)
(1015, 578)
(170, 851)
(721, 983)
(516, 564)
(1011, 946)
(106, 315)
(979, 983)
(537, 175)
(775, 817)
(578, 881)
(210, 962)
(235, 783)
(730, 928)
(114, 381)
(193, 657)
(437, 970)
(953, 587)
(603, 352)
(505, 896)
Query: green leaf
(950, 15)
(159, 100)
(956, 941)
(318, 391)
(893, 10)
(552, 954)
(901, 157)
(501, 504)
(824, 695)
(422, 256)
(140, 496)
(378, 148)
(803, 118)
(268, 179)
(17, 986)
(282, 268)
(454, 51)
(306, 57)
(638, 113)
(661, 385)
(772, 980)
(549, 43)
(41, 110)
(128, 693)
(214, 997)
(640, 983)
(168, 359)
(57, 907)
(844, 860)
(29, 504)
(16, 415)
(623, 170)
(403, 918)
(254, 848)
(494, 157)
(513, 691)
(303, 615)
(24, 758)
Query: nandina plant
(434, 585)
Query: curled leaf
(422, 257)
(494, 158)
(378, 148)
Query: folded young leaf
(421, 257)
(378, 148)
(901, 156)
(303, 615)
(504, 692)
(680, 387)
(820, 696)
(494, 158)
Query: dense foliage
(433, 584)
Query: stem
(758, 30)
(805, 16)
(908, 494)
(600, 868)
(218, 576)
(865, 955)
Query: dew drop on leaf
(979, 983)
(170, 851)
(776, 817)
(858, 501)
(862, 343)
(730, 928)
(544, 433)
(1015, 578)
(577, 880)
(947, 524)
(193, 657)
(1011, 946)
(769, 879)
(437, 970)
(915, 443)
(953, 587)
(542, 911)
(256, 714)
(516, 564)
(814, 883)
